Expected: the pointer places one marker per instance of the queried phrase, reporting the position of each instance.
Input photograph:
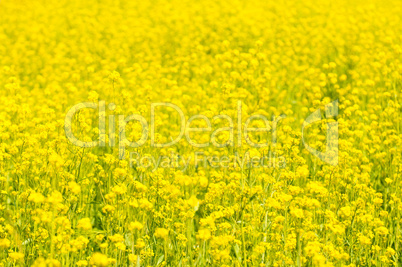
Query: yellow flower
(140, 243)
(99, 237)
(193, 201)
(55, 197)
(82, 263)
(16, 256)
(364, 240)
(74, 187)
(312, 248)
(161, 233)
(36, 197)
(135, 226)
(4, 243)
(116, 238)
(99, 260)
(204, 234)
(108, 209)
(133, 258)
(285, 140)
(297, 213)
(119, 189)
(84, 224)
(345, 212)
(390, 252)
(41, 262)
(382, 230)
(114, 76)
(121, 246)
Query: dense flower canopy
(67, 205)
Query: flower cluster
(66, 205)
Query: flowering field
(200, 133)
